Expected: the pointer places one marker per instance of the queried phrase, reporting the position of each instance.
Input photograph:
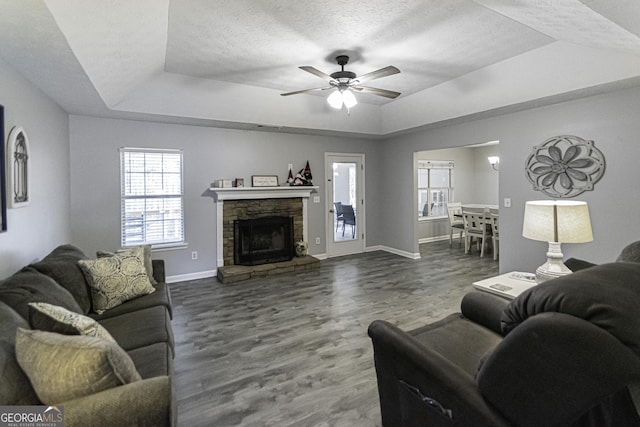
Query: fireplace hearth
(263, 240)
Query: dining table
(485, 207)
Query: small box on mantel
(222, 183)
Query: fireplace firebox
(263, 240)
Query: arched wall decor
(564, 166)
(18, 168)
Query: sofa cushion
(161, 297)
(630, 253)
(606, 295)
(141, 328)
(154, 360)
(28, 285)
(62, 266)
(143, 250)
(64, 367)
(116, 279)
(16, 388)
(52, 318)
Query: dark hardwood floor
(293, 350)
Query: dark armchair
(564, 353)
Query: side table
(507, 285)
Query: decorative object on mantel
(303, 177)
(564, 166)
(301, 248)
(239, 182)
(18, 167)
(3, 184)
(290, 177)
(264, 181)
(222, 183)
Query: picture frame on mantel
(3, 182)
(264, 180)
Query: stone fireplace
(250, 203)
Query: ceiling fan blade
(306, 90)
(316, 72)
(382, 72)
(375, 91)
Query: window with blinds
(152, 197)
(435, 188)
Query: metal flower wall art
(564, 166)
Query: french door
(345, 203)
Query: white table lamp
(556, 222)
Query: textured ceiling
(123, 57)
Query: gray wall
(611, 120)
(75, 176)
(37, 228)
(209, 154)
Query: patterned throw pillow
(52, 318)
(143, 251)
(116, 279)
(65, 367)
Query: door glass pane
(344, 201)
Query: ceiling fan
(345, 82)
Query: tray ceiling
(226, 62)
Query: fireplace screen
(263, 240)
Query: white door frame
(357, 245)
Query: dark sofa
(564, 353)
(140, 326)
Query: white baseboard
(393, 251)
(213, 273)
(433, 239)
(192, 276)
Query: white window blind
(435, 187)
(152, 197)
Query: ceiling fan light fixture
(349, 99)
(335, 100)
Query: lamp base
(554, 267)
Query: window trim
(158, 245)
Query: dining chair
(495, 234)
(456, 224)
(349, 218)
(475, 225)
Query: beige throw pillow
(146, 258)
(116, 279)
(65, 367)
(53, 318)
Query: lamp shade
(561, 221)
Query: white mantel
(252, 193)
(257, 193)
